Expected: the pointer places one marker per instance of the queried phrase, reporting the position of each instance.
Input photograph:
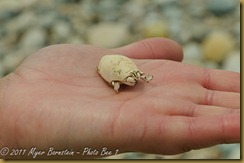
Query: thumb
(153, 48)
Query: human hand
(55, 98)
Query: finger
(208, 131)
(220, 98)
(184, 108)
(177, 134)
(153, 48)
(220, 80)
(206, 110)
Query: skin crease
(55, 98)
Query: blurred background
(208, 30)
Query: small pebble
(47, 19)
(11, 61)
(193, 51)
(222, 6)
(22, 22)
(232, 62)
(61, 31)
(156, 29)
(108, 34)
(217, 45)
(235, 153)
(230, 151)
(198, 32)
(205, 153)
(34, 38)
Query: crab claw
(116, 85)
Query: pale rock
(205, 153)
(134, 155)
(11, 40)
(11, 61)
(34, 38)
(217, 45)
(230, 151)
(61, 31)
(88, 10)
(22, 22)
(156, 29)
(134, 8)
(235, 153)
(8, 9)
(232, 62)
(165, 2)
(175, 30)
(184, 37)
(128, 155)
(222, 6)
(196, 9)
(7, 6)
(192, 51)
(198, 32)
(177, 156)
(108, 35)
(75, 40)
(173, 13)
(106, 7)
(47, 19)
(175, 21)
(150, 156)
(118, 156)
(14, 59)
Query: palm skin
(56, 98)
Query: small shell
(118, 69)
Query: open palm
(57, 99)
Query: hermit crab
(119, 69)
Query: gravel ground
(209, 33)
